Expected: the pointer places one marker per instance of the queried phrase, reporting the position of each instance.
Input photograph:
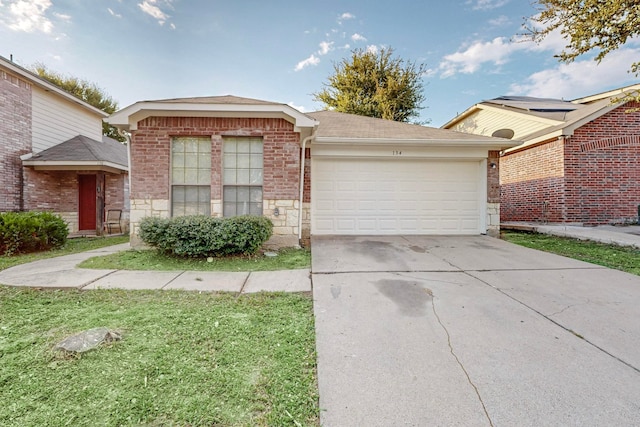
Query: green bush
(200, 236)
(22, 232)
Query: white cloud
(30, 16)
(496, 52)
(372, 48)
(312, 60)
(153, 9)
(116, 15)
(500, 21)
(575, 79)
(345, 16)
(63, 17)
(358, 38)
(486, 4)
(325, 47)
(297, 107)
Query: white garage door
(393, 196)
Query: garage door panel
(389, 196)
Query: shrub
(22, 232)
(200, 236)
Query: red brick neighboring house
(311, 174)
(53, 154)
(580, 160)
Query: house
(311, 174)
(53, 154)
(579, 161)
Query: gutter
(301, 181)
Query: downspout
(301, 181)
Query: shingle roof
(225, 99)
(84, 149)
(341, 125)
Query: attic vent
(504, 133)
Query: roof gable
(48, 86)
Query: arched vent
(503, 133)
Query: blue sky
(283, 51)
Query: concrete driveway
(472, 331)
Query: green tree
(86, 91)
(375, 84)
(600, 26)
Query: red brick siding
(602, 169)
(55, 191)
(307, 176)
(150, 153)
(532, 184)
(15, 137)
(493, 177)
(114, 192)
(592, 177)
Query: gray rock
(88, 340)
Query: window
(242, 179)
(191, 176)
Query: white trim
(392, 143)
(74, 165)
(128, 117)
(483, 196)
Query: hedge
(22, 232)
(204, 236)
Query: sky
(284, 51)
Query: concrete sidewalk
(61, 273)
(623, 235)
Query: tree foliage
(85, 90)
(375, 84)
(599, 26)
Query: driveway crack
(568, 307)
(455, 356)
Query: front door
(87, 202)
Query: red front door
(87, 202)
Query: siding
(485, 122)
(56, 120)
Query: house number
(397, 153)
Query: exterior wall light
(276, 212)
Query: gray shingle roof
(225, 99)
(84, 149)
(342, 125)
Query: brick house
(311, 174)
(53, 154)
(579, 161)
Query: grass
(611, 256)
(287, 259)
(72, 246)
(186, 359)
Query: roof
(564, 116)
(81, 152)
(342, 127)
(48, 86)
(210, 106)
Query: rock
(88, 340)
(271, 254)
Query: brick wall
(15, 137)
(592, 177)
(603, 169)
(532, 184)
(150, 153)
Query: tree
(86, 91)
(600, 26)
(375, 84)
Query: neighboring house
(226, 156)
(53, 154)
(580, 160)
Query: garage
(371, 176)
(397, 196)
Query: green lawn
(612, 256)
(72, 246)
(287, 259)
(186, 359)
